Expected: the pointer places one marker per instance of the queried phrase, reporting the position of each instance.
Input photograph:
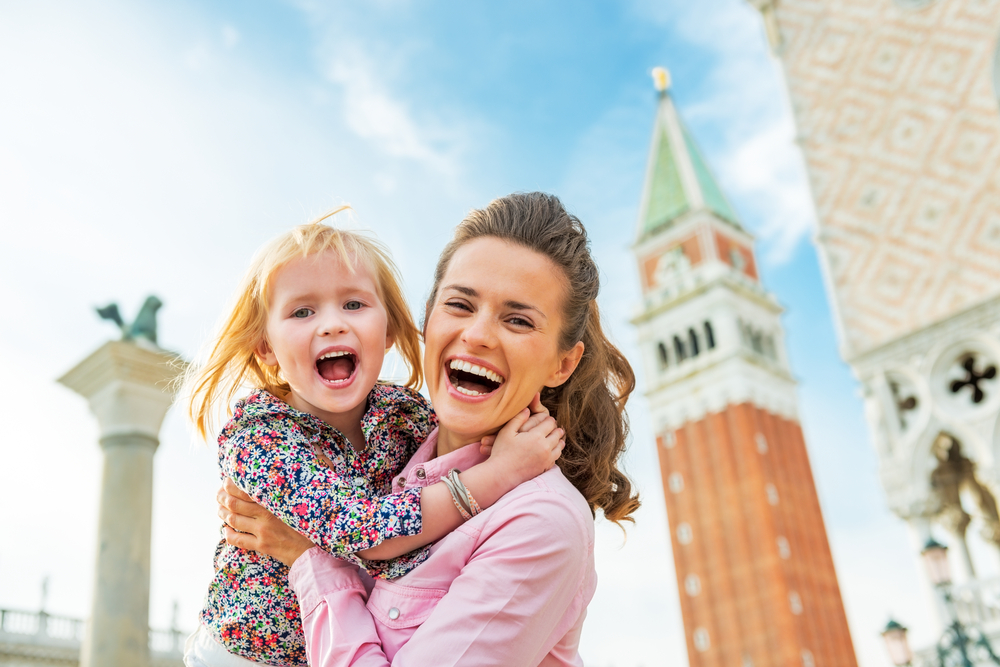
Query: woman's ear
(567, 364)
(265, 353)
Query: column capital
(129, 386)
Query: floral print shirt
(270, 450)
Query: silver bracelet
(456, 498)
(470, 503)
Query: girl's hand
(256, 529)
(528, 445)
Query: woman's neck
(449, 441)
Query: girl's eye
(302, 312)
(353, 305)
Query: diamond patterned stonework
(900, 127)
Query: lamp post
(895, 640)
(960, 645)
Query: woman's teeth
(467, 392)
(459, 365)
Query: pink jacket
(509, 587)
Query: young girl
(319, 440)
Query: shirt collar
(424, 470)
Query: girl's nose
(333, 324)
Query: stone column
(127, 384)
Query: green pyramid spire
(678, 179)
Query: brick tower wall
(745, 520)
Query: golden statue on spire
(661, 79)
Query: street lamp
(935, 557)
(895, 640)
(960, 645)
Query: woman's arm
(507, 607)
(504, 608)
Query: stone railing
(44, 629)
(977, 603)
(977, 606)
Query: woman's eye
(521, 322)
(457, 304)
(302, 312)
(353, 305)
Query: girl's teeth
(333, 355)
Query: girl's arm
(339, 514)
(525, 447)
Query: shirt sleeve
(509, 606)
(335, 511)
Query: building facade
(896, 106)
(754, 568)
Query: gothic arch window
(709, 336)
(679, 350)
(661, 351)
(693, 337)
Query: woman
(514, 293)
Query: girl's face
(492, 336)
(327, 332)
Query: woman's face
(492, 336)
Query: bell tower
(754, 568)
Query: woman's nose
(480, 332)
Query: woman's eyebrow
(462, 289)
(517, 305)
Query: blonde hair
(233, 361)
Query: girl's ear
(265, 353)
(390, 337)
(567, 364)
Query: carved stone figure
(144, 325)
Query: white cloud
(373, 113)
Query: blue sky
(151, 147)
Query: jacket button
(401, 482)
(421, 474)
(394, 613)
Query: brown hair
(233, 362)
(590, 405)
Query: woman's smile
(472, 378)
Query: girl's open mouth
(337, 367)
(473, 380)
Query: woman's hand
(528, 445)
(256, 529)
